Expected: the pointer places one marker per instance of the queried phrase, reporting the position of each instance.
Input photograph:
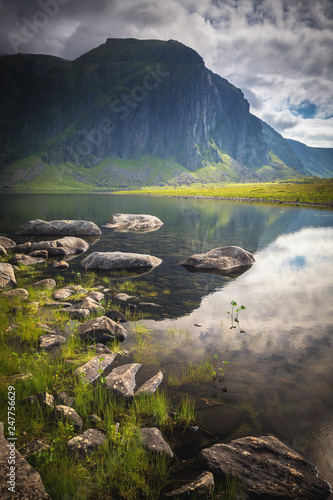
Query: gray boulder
(99, 366)
(7, 276)
(18, 293)
(64, 246)
(203, 487)
(46, 284)
(224, 260)
(116, 316)
(152, 439)
(60, 227)
(39, 253)
(7, 243)
(119, 261)
(134, 222)
(101, 330)
(67, 414)
(266, 468)
(62, 265)
(88, 303)
(26, 481)
(50, 341)
(151, 385)
(121, 380)
(86, 443)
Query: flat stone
(18, 293)
(46, 284)
(101, 330)
(50, 341)
(224, 260)
(152, 439)
(116, 316)
(25, 260)
(55, 305)
(124, 297)
(151, 385)
(86, 443)
(23, 247)
(63, 293)
(121, 380)
(60, 227)
(265, 468)
(99, 366)
(98, 296)
(119, 261)
(203, 486)
(134, 222)
(39, 253)
(7, 277)
(64, 246)
(7, 243)
(150, 306)
(67, 414)
(28, 483)
(36, 446)
(99, 348)
(61, 264)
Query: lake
(278, 370)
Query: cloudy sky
(279, 52)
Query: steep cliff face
(129, 98)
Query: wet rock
(23, 247)
(44, 399)
(64, 399)
(46, 284)
(64, 246)
(36, 446)
(3, 251)
(69, 415)
(224, 260)
(152, 439)
(119, 261)
(203, 486)
(116, 316)
(134, 222)
(99, 348)
(101, 330)
(7, 277)
(99, 366)
(85, 444)
(7, 243)
(150, 307)
(121, 380)
(61, 265)
(39, 253)
(266, 468)
(50, 341)
(25, 260)
(151, 385)
(27, 482)
(60, 227)
(18, 293)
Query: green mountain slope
(318, 161)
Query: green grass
(307, 190)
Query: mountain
(131, 113)
(318, 161)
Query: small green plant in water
(235, 314)
(218, 374)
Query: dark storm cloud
(278, 51)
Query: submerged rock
(25, 260)
(119, 261)
(121, 380)
(62, 265)
(152, 439)
(102, 330)
(86, 443)
(7, 276)
(224, 260)
(266, 468)
(134, 222)
(60, 227)
(203, 487)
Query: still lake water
(280, 372)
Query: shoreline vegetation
(310, 191)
